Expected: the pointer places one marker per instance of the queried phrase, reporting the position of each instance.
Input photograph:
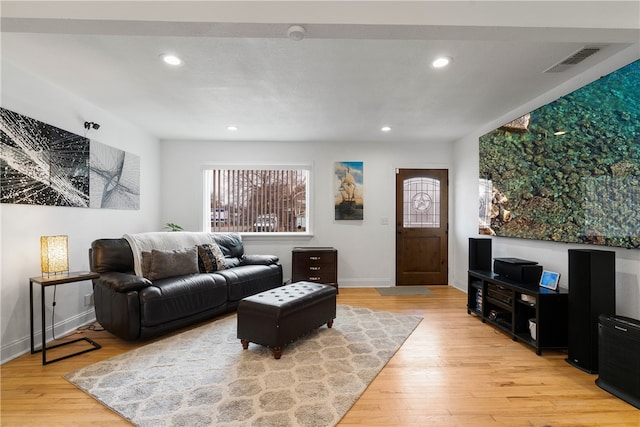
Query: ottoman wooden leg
(245, 344)
(330, 323)
(277, 352)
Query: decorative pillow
(210, 258)
(172, 263)
(206, 259)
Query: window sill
(276, 236)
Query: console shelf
(509, 305)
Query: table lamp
(54, 254)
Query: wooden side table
(315, 264)
(44, 282)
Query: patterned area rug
(202, 377)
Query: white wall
(22, 225)
(366, 249)
(553, 256)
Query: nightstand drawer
(315, 264)
(316, 274)
(317, 259)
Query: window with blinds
(257, 200)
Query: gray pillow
(172, 263)
(145, 263)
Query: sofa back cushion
(230, 244)
(108, 255)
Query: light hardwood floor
(452, 371)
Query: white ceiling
(362, 64)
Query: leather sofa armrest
(123, 282)
(260, 259)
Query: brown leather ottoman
(277, 317)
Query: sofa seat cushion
(177, 297)
(246, 280)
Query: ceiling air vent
(572, 60)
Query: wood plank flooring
(452, 371)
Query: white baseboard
(366, 283)
(359, 282)
(64, 327)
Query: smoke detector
(296, 32)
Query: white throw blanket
(163, 241)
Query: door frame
(392, 228)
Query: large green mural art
(570, 170)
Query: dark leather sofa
(133, 307)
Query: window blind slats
(262, 200)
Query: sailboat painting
(348, 183)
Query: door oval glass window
(421, 203)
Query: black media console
(511, 305)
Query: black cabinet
(315, 264)
(527, 313)
(618, 362)
(592, 292)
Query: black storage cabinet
(619, 357)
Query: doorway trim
(394, 219)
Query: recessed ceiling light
(232, 128)
(171, 59)
(441, 62)
(385, 128)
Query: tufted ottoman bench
(277, 317)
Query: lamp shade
(54, 254)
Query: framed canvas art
(348, 196)
(43, 165)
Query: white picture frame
(549, 280)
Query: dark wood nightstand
(44, 282)
(315, 264)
